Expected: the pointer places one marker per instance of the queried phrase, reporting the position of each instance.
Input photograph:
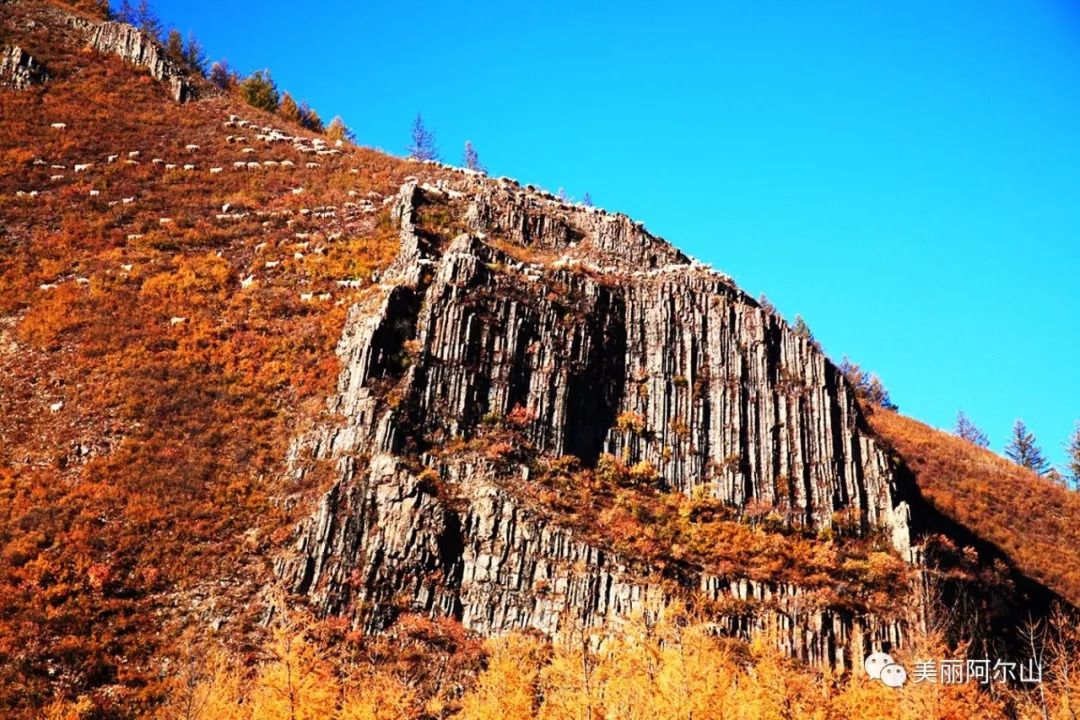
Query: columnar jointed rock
(709, 387)
(135, 46)
(18, 70)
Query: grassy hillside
(156, 355)
(165, 332)
(1030, 519)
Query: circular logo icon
(875, 662)
(893, 675)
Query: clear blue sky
(904, 175)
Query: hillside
(247, 372)
(1025, 517)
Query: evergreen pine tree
(260, 91)
(309, 118)
(1023, 450)
(147, 20)
(422, 145)
(969, 431)
(803, 330)
(195, 55)
(125, 13)
(471, 159)
(1072, 462)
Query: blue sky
(904, 175)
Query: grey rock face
(713, 390)
(138, 48)
(18, 70)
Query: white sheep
(313, 165)
(324, 296)
(191, 148)
(56, 407)
(54, 178)
(164, 221)
(95, 193)
(82, 281)
(259, 247)
(157, 161)
(134, 154)
(287, 164)
(59, 126)
(297, 191)
(47, 286)
(215, 171)
(170, 166)
(177, 320)
(127, 268)
(189, 167)
(272, 263)
(248, 151)
(298, 256)
(111, 158)
(239, 165)
(134, 236)
(83, 167)
(253, 166)
(248, 281)
(306, 297)
(127, 200)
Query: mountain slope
(539, 414)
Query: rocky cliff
(18, 70)
(138, 48)
(603, 339)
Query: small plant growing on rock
(631, 422)
(521, 416)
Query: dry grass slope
(1029, 518)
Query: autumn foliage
(152, 373)
(673, 665)
(164, 334)
(1027, 517)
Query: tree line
(257, 89)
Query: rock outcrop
(135, 46)
(607, 340)
(18, 70)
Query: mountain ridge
(521, 388)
